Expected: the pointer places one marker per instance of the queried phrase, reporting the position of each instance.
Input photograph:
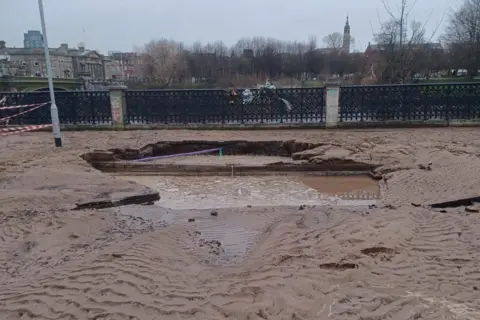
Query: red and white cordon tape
(23, 112)
(16, 130)
(23, 106)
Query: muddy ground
(396, 260)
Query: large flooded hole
(205, 192)
(230, 195)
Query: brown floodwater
(195, 192)
(345, 187)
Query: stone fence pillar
(332, 106)
(118, 106)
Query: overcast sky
(123, 24)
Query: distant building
(347, 39)
(326, 51)
(32, 39)
(66, 62)
(373, 51)
(111, 52)
(428, 46)
(124, 66)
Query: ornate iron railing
(377, 104)
(381, 103)
(74, 107)
(247, 106)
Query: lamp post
(53, 105)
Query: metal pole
(53, 105)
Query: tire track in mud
(447, 247)
(227, 243)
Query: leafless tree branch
(334, 41)
(402, 41)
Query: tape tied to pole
(17, 130)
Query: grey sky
(122, 25)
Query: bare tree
(401, 43)
(463, 36)
(334, 41)
(249, 62)
(164, 62)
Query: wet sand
(395, 260)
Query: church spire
(346, 37)
(346, 29)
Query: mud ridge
(146, 198)
(338, 266)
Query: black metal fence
(248, 106)
(74, 107)
(382, 103)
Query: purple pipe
(178, 155)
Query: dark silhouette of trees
(463, 37)
(334, 41)
(164, 63)
(402, 47)
(249, 62)
(402, 53)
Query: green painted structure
(29, 84)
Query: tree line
(250, 61)
(401, 52)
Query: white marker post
(53, 106)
